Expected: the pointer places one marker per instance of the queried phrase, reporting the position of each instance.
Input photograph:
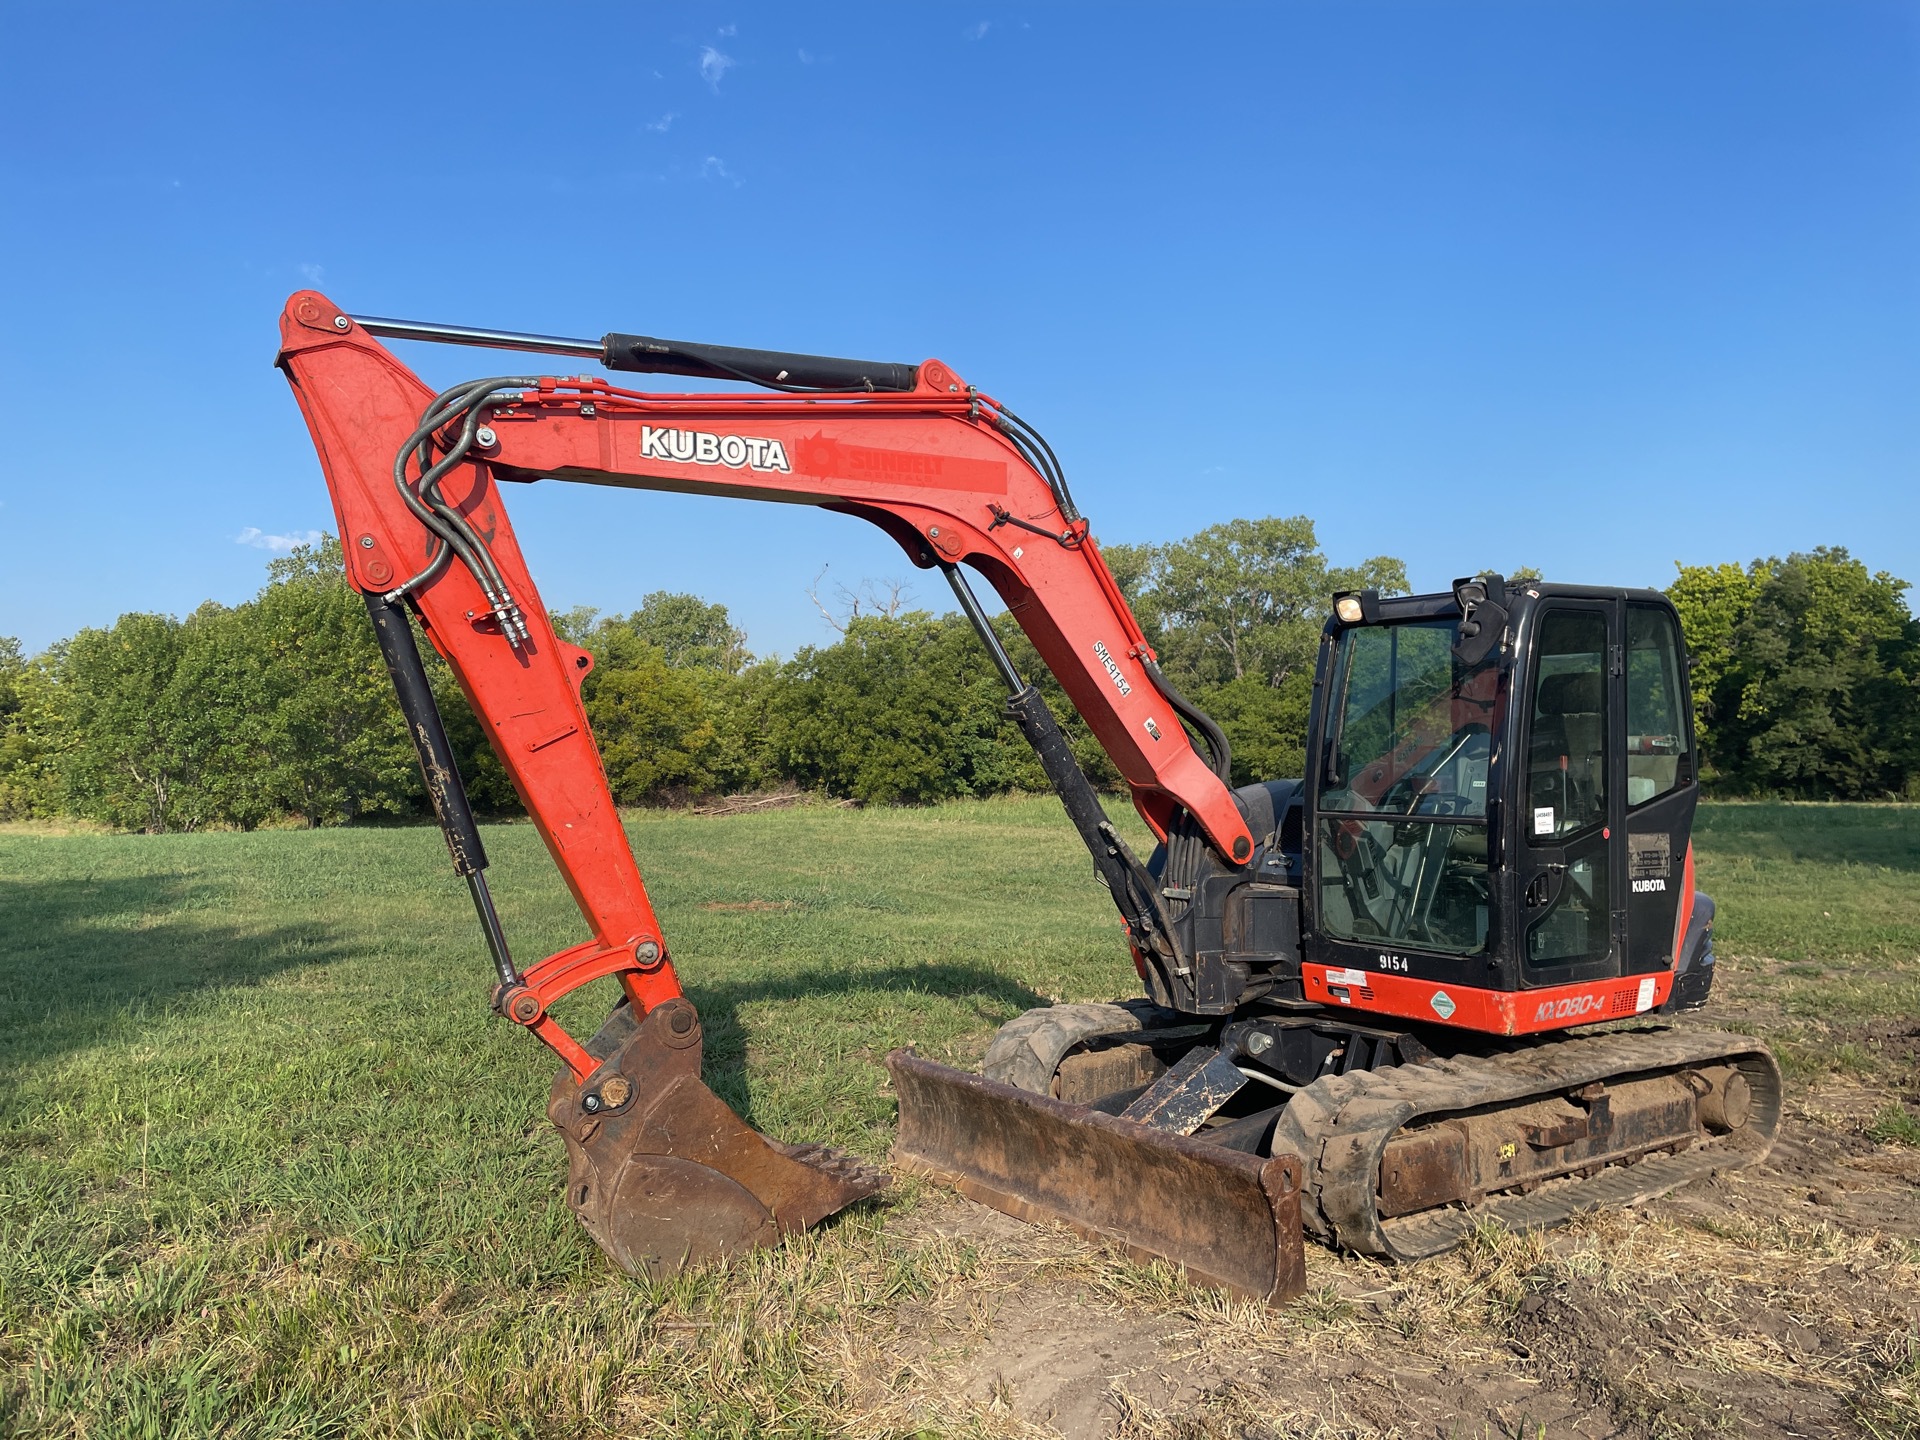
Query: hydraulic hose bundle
(460, 407)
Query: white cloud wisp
(277, 544)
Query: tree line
(280, 709)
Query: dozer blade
(662, 1174)
(1228, 1219)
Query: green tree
(691, 633)
(129, 758)
(235, 716)
(329, 740)
(1820, 697)
(1243, 599)
(28, 736)
(903, 708)
(1235, 613)
(1804, 675)
(1265, 725)
(668, 696)
(654, 733)
(688, 632)
(222, 704)
(1713, 601)
(740, 708)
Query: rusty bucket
(662, 1173)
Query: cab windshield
(1403, 799)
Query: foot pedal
(1183, 1099)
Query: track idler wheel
(662, 1173)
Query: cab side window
(1656, 706)
(1566, 761)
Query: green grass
(1818, 884)
(268, 1168)
(1896, 1125)
(256, 1122)
(1818, 931)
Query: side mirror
(1483, 616)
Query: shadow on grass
(84, 959)
(990, 994)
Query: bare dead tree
(886, 598)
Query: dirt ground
(1780, 1300)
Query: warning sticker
(1543, 820)
(1644, 1000)
(1649, 857)
(1443, 1005)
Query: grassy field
(268, 1168)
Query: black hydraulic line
(418, 446)
(776, 369)
(423, 498)
(1113, 859)
(490, 927)
(444, 787)
(970, 604)
(1068, 538)
(1045, 461)
(1220, 754)
(1118, 867)
(427, 486)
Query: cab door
(1571, 895)
(1659, 784)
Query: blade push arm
(933, 466)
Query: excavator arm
(942, 469)
(661, 1170)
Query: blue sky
(1594, 287)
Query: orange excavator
(1357, 984)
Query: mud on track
(1782, 1300)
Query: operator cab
(1500, 790)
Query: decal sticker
(1644, 1001)
(1394, 962)
(1569, 1008)
(1153, 728)
(1649, 857)
(1443, 1005)
(1105, 656)
(1347, 977)
(697, 447)
(1572, 1008)
(1543, 820)
(1643, 887)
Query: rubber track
(1027, 1050)
(1340, 1125)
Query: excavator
(1375, 1000)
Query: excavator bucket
(1228, 1219)
(662, 1174)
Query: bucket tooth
(662, 1173)
(1228, 1219)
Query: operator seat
(1565, 758)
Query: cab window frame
(1670, 648)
